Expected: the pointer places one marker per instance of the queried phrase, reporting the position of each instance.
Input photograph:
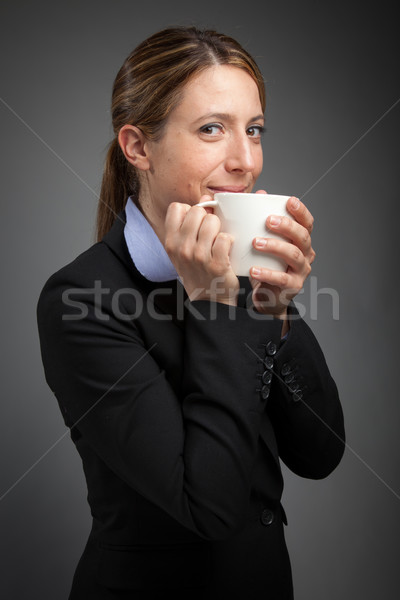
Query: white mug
(243, 216)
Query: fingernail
(260, 242)
(295, 203)
(255, 271)
(274, 221)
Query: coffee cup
(243, 216)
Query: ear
(133, 144)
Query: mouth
(233, 189)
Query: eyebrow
(225, 117)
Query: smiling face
(211, 143)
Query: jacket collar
(115, 240)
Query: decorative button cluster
(292, 385)
(268, 363)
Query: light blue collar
(146, 250)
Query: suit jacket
(181, 412)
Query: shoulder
(97, 262)
(108, 260)
(97, 259)
(92, 272)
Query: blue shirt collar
(146, 250)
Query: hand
(200, 253)
(273, 290)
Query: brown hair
(147, 88)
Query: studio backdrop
(332, 118)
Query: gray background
(331, 74)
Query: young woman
(183, 396)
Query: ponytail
(118, 183)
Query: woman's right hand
(200, 253)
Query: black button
(267, 516)
(289, 378)
(271, 349)
(267, 377)
(293, 387)
(265, 392)
(285, 369)
(298, 395)
(268, 362)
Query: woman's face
(211, 143)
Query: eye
(255, 131)
(212, 129)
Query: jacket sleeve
(192, 454)
(304, 405)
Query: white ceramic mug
(243, 216)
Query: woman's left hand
(273, 290)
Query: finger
(182, 226)
(191, 224)
(221, 249)
(289, 283)
(176, 213)
(208, 231)
(292, 230)
(279, 279)
(261, 192)
(290, 253)
(300, 213)
(207, 198)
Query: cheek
(196, 166)
(207, 159)
(188, 167)
(259, 162)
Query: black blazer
(181, 412)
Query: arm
(304, 405)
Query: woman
(181, 395)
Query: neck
(156, 220)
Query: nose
(241, 155)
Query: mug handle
(208, 203)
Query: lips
(233, 189)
